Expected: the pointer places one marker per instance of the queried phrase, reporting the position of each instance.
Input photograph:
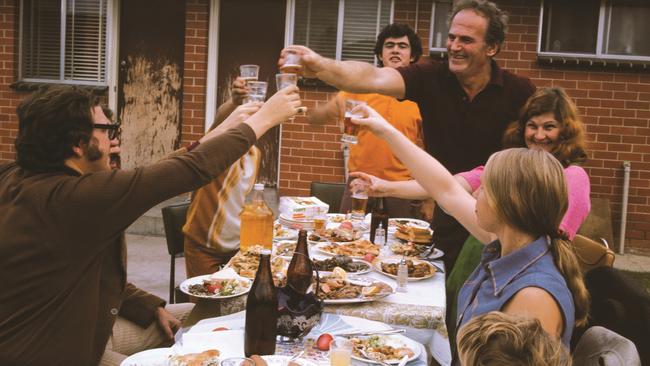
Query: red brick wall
(195, 70)
(8, 98)
(615, 104)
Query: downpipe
(626, 192)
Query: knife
(389, 331)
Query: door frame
(113, 52)
(213, 67)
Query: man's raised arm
(350, 76)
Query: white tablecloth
(199, 336)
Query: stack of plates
(296, 224)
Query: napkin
(230, 343)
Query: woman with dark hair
(549, 121)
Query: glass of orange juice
(341, 352)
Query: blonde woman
(526, 268)
(497, 339)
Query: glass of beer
(341, 352)
(320, 223)
(359, 203)
(351, 130)
(291, 63)
(249, 72)
(257, 91)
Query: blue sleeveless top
(497, 279)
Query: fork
(364, 354)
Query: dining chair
(173, 220)
(330, 193)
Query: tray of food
(417, 269)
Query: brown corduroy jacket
(62, 251)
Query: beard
(92, 151)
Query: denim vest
(497, 279)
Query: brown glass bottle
(379, 215)
(261, 311)
(300, 269)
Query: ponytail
(566, 262)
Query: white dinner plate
(185, 286)
(376, 264)
(437, 253)
(150, 357)
(395, 340)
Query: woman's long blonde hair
(496, 338)
(527, 189)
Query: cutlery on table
(365, 355)
(375, 332)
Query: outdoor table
(199, 336)
(421, 310)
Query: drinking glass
(284, 80)
(257, 91)
(237, 361)
(291, 63)
(341, 352)
(249, 72)
(359, 202)
(320, 223)
(351, 130)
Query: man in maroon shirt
(466, 102)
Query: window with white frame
(340, 29)
(598, 29)
(64, 41)
(440, 10)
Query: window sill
(591, 61)
(314, 83)
(28, 86)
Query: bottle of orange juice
(256, 222)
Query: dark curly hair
(397, 30)
(497, 19)
(571, 146)
(50, 123)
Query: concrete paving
(148, 264)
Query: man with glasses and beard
(65, 298)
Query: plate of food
(285, 248)
(408, 249)
(345, 232)
(348, 264)
(338, 288)
(417, 269)
(245, 263)
(357, 249)
(386, 348)
(283, 233)
(211, 287)
(413, 232)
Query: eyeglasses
(114, 129)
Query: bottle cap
(259, 186)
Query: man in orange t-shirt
(397, 45)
